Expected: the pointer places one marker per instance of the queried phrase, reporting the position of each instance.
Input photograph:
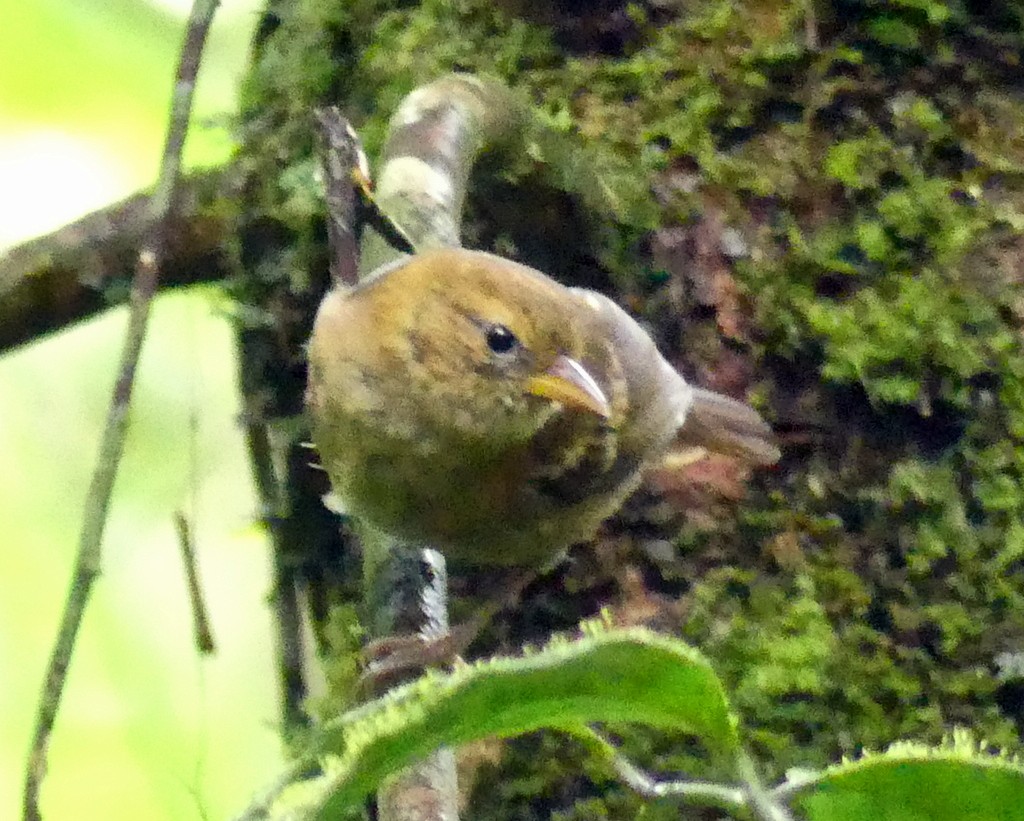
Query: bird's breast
(520, 505)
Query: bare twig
(428, 790)
(87, 565)
(350, 200)
(762, 803)
(703, 793)
(200, 619)
(729, 797)
(345, 166)
(435, 137)
(810, 26)
(797, 780)
(748, 797)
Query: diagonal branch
(147, 273)
(86, 266)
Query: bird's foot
(392, 659)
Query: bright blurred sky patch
(84, 91)
(51, 177)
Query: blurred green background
(147, 728)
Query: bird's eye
(500, 339)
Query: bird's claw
(391, 659)
(405, 652)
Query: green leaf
(623, 676)
(912, 782)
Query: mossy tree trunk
(822, 213)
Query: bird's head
(466, 344)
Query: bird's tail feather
(723, 425)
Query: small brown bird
(468, 402)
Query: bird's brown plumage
(469, 402)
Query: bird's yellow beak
(569, 383)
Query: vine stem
(97, 504)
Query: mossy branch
(434, 138)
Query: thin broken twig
(200, 619)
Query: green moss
(342, 639)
